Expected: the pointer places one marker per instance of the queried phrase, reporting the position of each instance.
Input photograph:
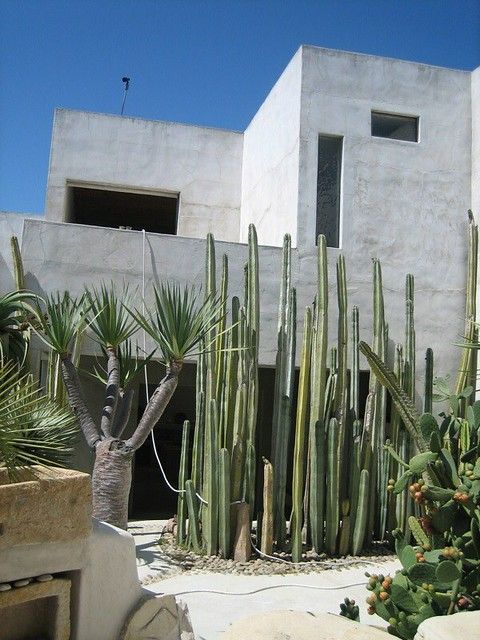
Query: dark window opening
(150, 497)
(121, 209)
(395, 127)
(329, 180)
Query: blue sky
(197, 61)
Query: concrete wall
(270, 161)
(476, 142)
(390, 187)
(403, 202)
(202, 165)
(55, 258)
(11, 224)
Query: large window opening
(394, 126)
(122, 209)
(329, 179)
(150, 496)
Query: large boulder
(459, 625)
(300, 625)
(161, 617)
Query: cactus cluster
(330, 506)
(440, 554)
(222, 469)
(439, 484)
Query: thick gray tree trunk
(111, 480)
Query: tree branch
(122, 414)
(77, 403)
(111, 393)
(155, 408)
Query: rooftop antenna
(126, 82)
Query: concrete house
(380, 155)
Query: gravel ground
(166, 559)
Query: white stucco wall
(203, 165)
(117, 255)
(390, 188)
(270, 161)
(476, 142)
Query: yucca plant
(16, 314)
(177, 323)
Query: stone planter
(45, 504)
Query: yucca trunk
(111, 480)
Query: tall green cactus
(284, 380)
(182, 478)
(467, 369)
(317, 435)
(333, 486)
(428, 390)
(210, 481)
(300, 440)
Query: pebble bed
(180, 560)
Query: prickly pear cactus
(350, 610)
(440, 554)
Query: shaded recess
(115, 209)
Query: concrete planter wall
(45, 504)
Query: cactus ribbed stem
(224, 503)
(333, 486)
(210, 482)
(361, 518)
(192, 507)
(428, 391)
(182, 478)
(300, 440)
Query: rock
(300, 625)
(45, 577)
(160, 617)
(459, 625)
(22, 583)
(5, 586)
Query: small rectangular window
(395, 127)
(329, 178)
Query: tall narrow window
(329, 188)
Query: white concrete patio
(216, 600)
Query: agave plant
(33, 429)
(177, 324)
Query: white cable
(147, 395)
(273, 586)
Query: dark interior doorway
(114, 209)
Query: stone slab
(455, 627)
(46, 505)
(300, 625)
(161, 617)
